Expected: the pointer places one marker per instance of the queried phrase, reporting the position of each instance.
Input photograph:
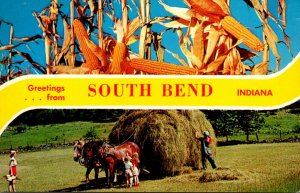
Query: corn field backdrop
(186, 37)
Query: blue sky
(19, 12)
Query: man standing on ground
(206, 152)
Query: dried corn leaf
(223, 5)
(109, 44)
(237, 65)
(92, 6)
(158, 48)
(198, 43)
(215, 65)
(287, 41)
(246, 54)
(46, 24)
(246, 67)
(176, 56)
(69, 59)
(53, 11)
(272, 41)
(175, 24)
(213, 38)
(249, 3)
(183, 41)
(282, 11)
(119, 30)
(80, 11)
(69, 70)
(258, 8)
(7, 47)
(177, 11)
(132, 40)
(28, 39)
(233, 64)
(137, 8)
(30, 60)
(143, 42)
(67, 41)
(260, 69)
(124, 15)
(187, 3)
(133, 26)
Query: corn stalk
(48, 42)
(266, 53)
(72, 47)
(10, 53)
(53, 17)
(148, 37)
(100, 23)
(144, 51)
(124, 15)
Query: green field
(52, 134)
(281, 125)
(261, 168)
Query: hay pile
(166, 138)
(225, 174)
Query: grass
(54, 133)
(262, 168)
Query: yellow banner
(151, 92)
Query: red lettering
(104, 90)
(92, 90)
(179, 91)
(206, 90)
(145, 90)
(167, 90)
(131, 89)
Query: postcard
(150, 96)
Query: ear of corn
(210, 8)
(236, 29)
(97, 51)
(163, 68)
(119, 55)
(92, 61)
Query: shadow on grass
(101, 183)
(94, 184)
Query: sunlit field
(256, 167)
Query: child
(128, 171)
(12, 176)
(135, 162)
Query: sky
(19, 13)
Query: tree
(226, 123)
(91, 134)
(222, 121)
(250, 121)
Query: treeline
(228, 122)
(225, 122)
(52, 116)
